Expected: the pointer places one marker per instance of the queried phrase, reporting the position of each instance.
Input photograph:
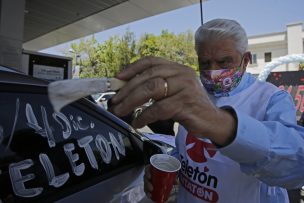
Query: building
(268, 47)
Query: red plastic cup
(164, 169)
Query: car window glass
(43, 153)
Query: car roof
(11, 76)
(8, 75)
(7, 69)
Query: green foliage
(301, 66)
(108, 58)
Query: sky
(256, 16)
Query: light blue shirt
(277, 155)
(271, 150)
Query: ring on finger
(166, 88)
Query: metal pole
(201, 9)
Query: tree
(115, 53)
(178, 48)
(301, 66)
(86, 52)
(148, 45)
(106, 59)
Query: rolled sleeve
(272, 149)
(250, 141)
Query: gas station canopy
(52, 22)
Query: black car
(82, 154)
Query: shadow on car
(82, 153)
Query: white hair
(222, 29)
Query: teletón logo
(197, 149)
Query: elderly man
(238, 140)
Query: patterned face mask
(221, 82)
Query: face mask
(221, 82)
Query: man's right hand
(178, 95)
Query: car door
(79, 154)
